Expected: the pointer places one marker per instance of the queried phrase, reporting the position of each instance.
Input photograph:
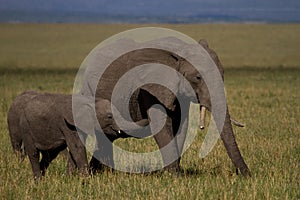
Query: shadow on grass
(7, 70)
(187, 172)
(10, 70)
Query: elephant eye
(109, 116)
(198, 77)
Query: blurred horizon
(144, 11)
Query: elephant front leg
(71, 165)
(167, 144)
(77, 151)
(103, 154)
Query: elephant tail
(23, 154)
(18, 148)
(15, 137)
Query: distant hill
(146, 11)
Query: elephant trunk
(232, 149)
(130, 131)
(126, 128)
(140, 124)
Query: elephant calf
(44, 123)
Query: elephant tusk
(237, 123)
(202, 117)
(119, 131)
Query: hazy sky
(151, 6)
(276, 10)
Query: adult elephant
(149, 95)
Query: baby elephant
(44, 123)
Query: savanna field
(262, 80)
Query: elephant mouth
(121, 133)
(116, 131)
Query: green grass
(66, 45)
(262, 78)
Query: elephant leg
(48, 156)
(34, 157)
(71, 165)
(95, 166)
(180, 119)
(232, 149)
(168, 146)
(77, 151)
(103, 154)
(45, 162)
(165, 136)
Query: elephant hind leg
(48, 156)
(34, 157)
(168, 147)
(71, 165)
(165, 139)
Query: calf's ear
(68, 116)
(82, 116)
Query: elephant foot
(37, 178)
(95, 166)
(245, 172)
(171, 172)
(173, 168)
(84, 172)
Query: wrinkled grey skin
(148, 95)
(14, 116)
(44, 123)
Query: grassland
(262, 78)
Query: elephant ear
(65, 106)
(163, 94)
(147, 58)
(81, 114)
(213, 56)
(166, 88)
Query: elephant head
(108, 124)
(204, 99)
(205, 96)
(89, 113)
(227, 134)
